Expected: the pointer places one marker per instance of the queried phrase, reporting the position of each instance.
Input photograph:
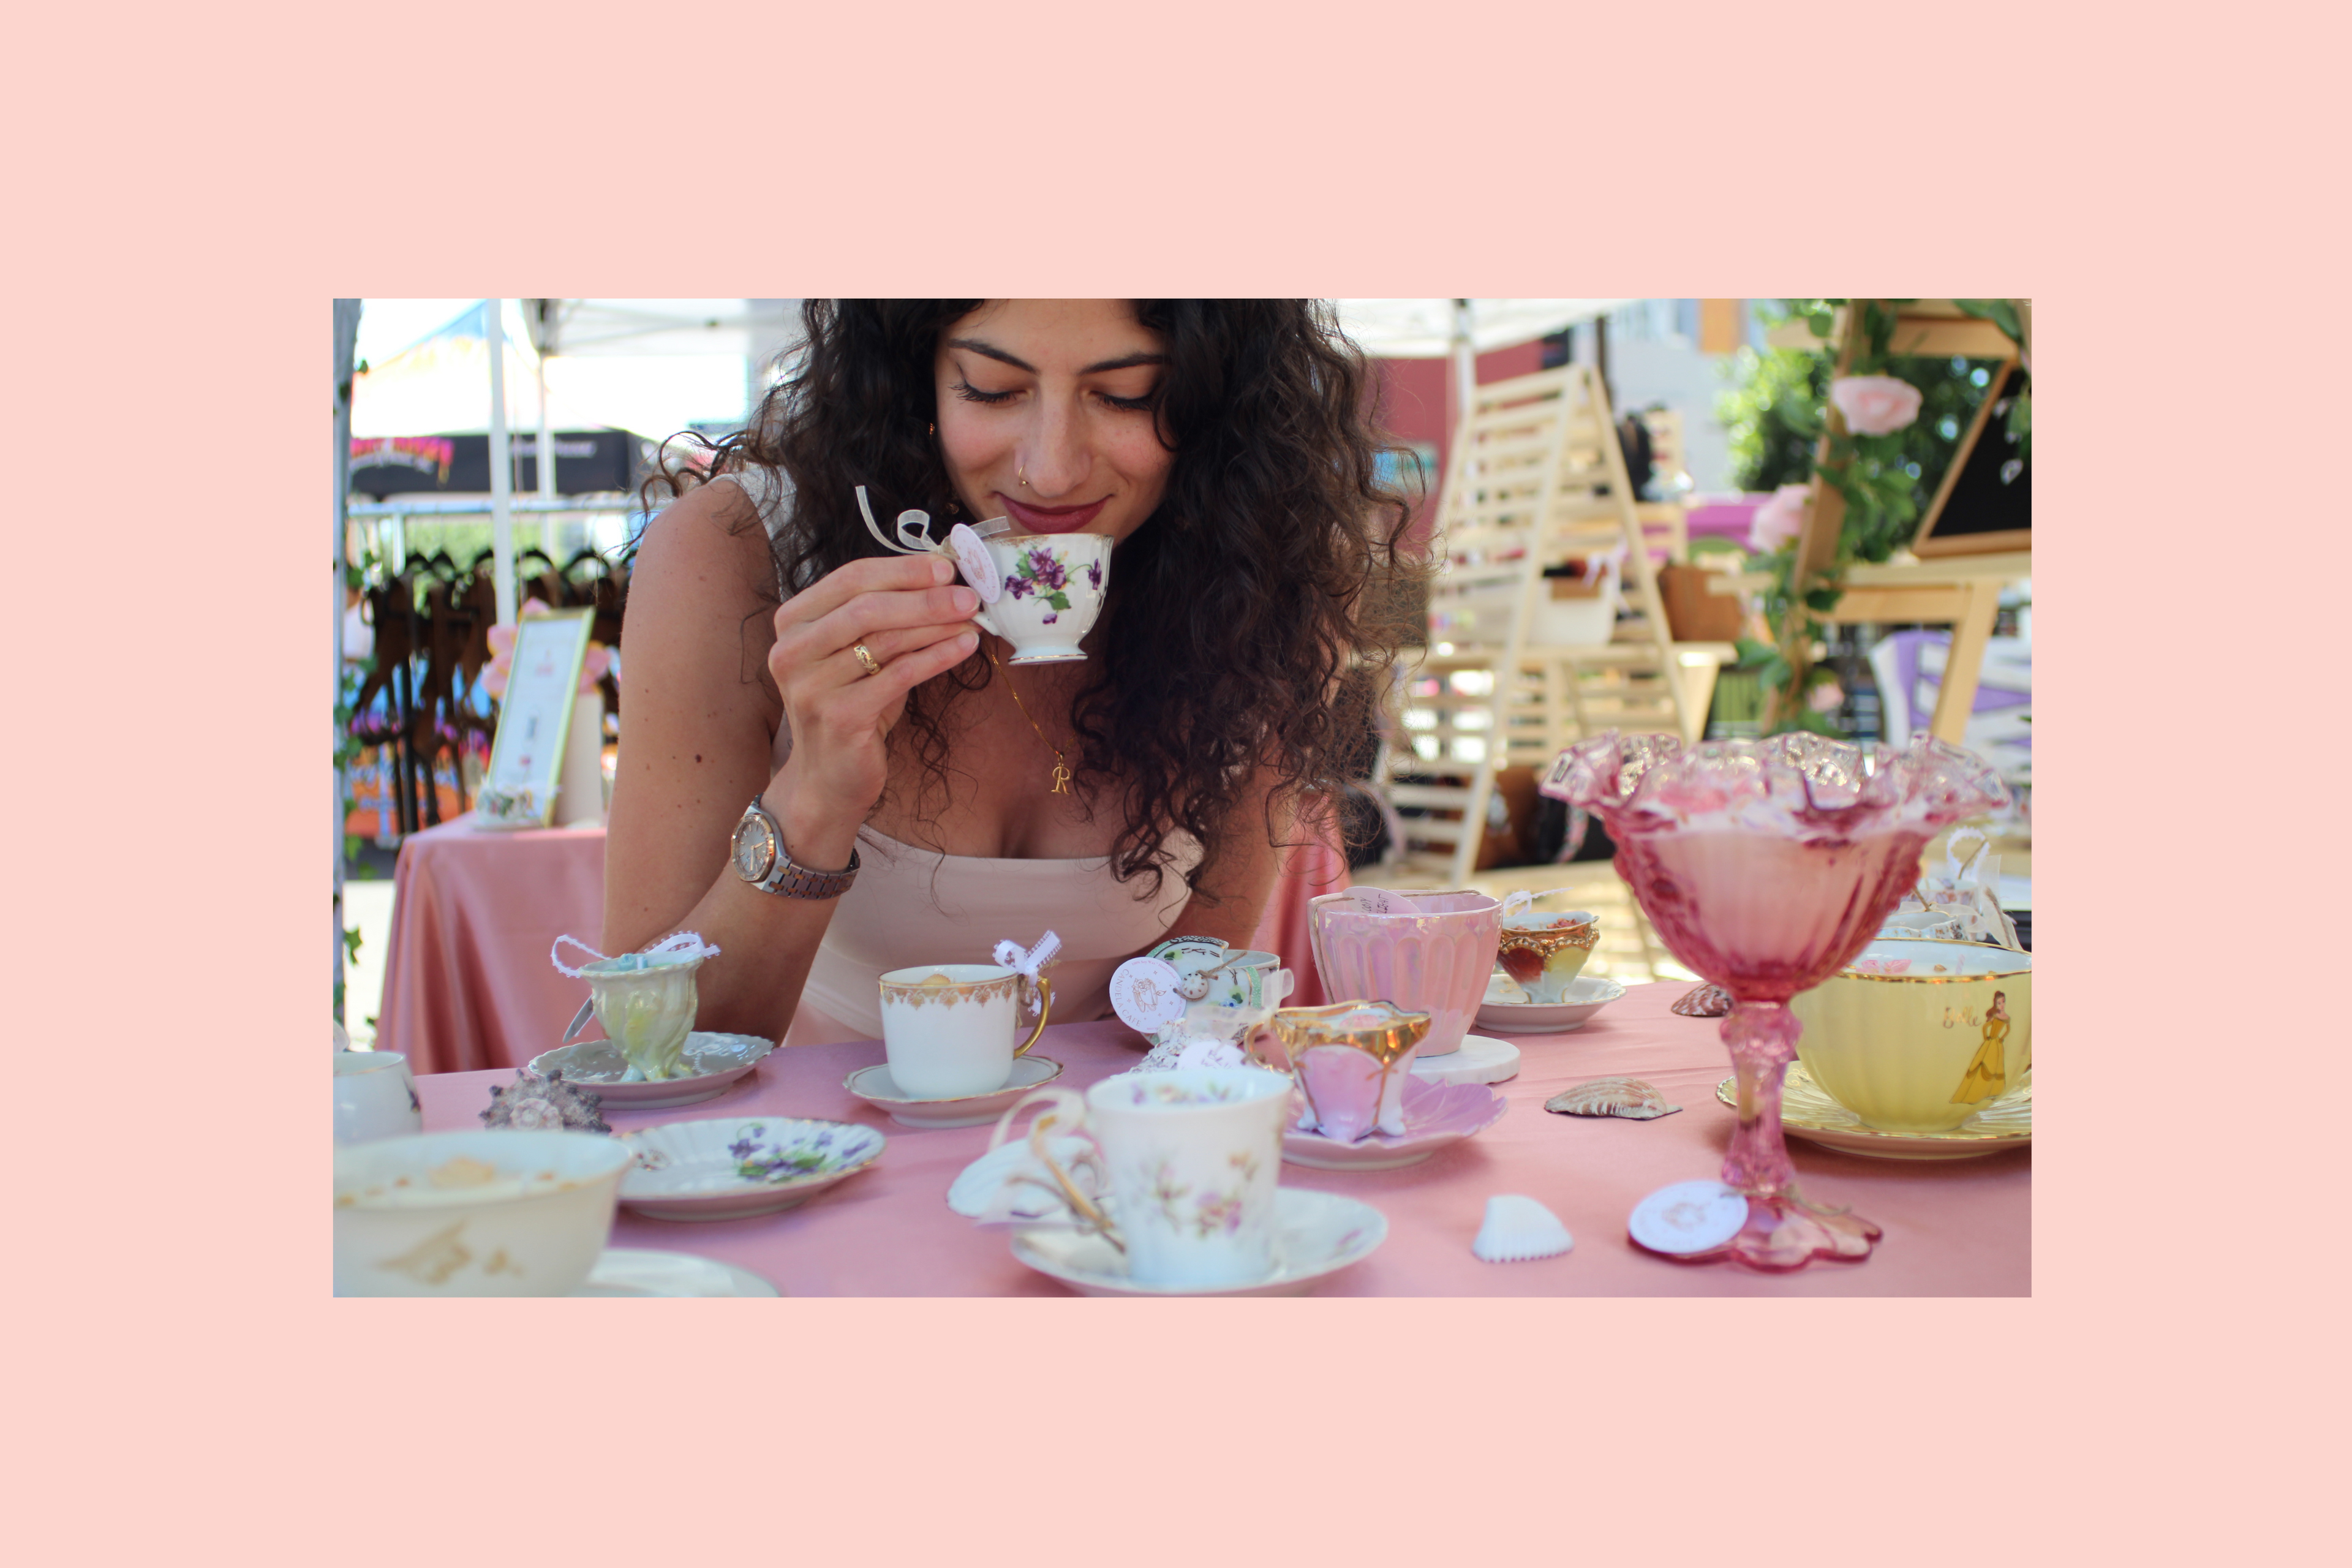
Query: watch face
(754, 849)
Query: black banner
(587, 462)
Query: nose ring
(1020, 476)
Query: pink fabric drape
(466, 983)
(1308, 871)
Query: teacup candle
(952, 1030)
(1425, 952)
(1545, 951)
(1192, 1159)
(1350, 1062)
(647, 1000)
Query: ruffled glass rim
(1800, 785)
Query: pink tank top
(911, 906)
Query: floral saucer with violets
(731, 1167)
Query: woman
(777, 655)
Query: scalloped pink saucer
(1437, 1114)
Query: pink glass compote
(1766, 866)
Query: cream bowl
(474, 1213)
(1910, 1037)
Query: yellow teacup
(1916, 1036)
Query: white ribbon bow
(962, 545)
(679, 944)
(1514, 902)
(1029, 961)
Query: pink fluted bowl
(1434, 958)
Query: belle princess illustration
(1987, 1075)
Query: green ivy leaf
(1823, 323)
(1822, 601)
(1775, 672)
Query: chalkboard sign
(1985, 504)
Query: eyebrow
(1125, 362)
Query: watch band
(787, 878)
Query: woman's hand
(914, 622)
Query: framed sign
(535, 721)
(1985, 504)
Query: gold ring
(865, 658)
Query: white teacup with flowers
(1052, 592)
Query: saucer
(731, 1167)
(874, 1086)
(1480, 1060)
(1316, 1234)
(1806, 1111)
(1587, 995)
(1435, 1115)
(634, 1271)
(711, 1063)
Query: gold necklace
(1062, 774)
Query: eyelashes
(970, 394)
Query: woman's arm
(1243, 880)
(696, 742)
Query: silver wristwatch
(762, 859)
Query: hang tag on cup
(1145, 994)
(978, 566)
(1380, 901)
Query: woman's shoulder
(702, 560)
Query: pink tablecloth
(467, 983)
(1962, 1228)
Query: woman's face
(1045, 415)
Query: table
(1957, 1228)
(466, 981)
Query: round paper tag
(1687, 1217)
(1143, 993)
(977, 566)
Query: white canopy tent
(657, 365)
(1460, 330)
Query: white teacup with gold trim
(952, 1029)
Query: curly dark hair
(1247, 631)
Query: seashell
(1626, 1096)
(1518, 1228)
(1706, 1001)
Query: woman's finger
(873, 574)
(875, 693)
(883, 647)
(862, 618)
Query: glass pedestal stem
(1762, 1039)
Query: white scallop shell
(1518, 1228)
(1626, 1096)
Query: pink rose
(1781, 519)
(1826, 696)
(1875, 404)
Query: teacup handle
(980, 618)
(1045, 1010)
(1066, 1110)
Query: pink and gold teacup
(1423, 951)
(1546, 953)
(1350, 1062)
